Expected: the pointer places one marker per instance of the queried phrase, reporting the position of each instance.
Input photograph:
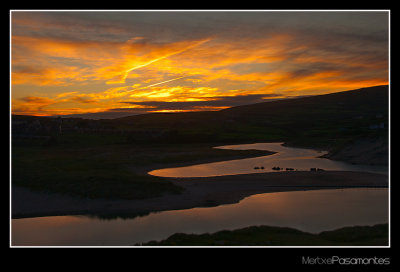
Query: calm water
(311, 211)
(286, 157)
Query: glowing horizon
(65, 63)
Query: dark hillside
(325, 121)
(322, 120)
(57, 154)
(368, 98)
(330, 121)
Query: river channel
(296, 159)
(311, 211)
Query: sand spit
(199, 192)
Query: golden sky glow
(127, 63)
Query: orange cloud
(181, 70)
(110, 61)
(31, 105)
(52, 76)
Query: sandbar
(199, 192)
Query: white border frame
(199, 10)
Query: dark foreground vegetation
(278, 236)
(109, 158)
(109, 171)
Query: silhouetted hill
(370, 97)
(361, 112)
(359, 103)
(322, 120)
(347, 104)
(327, 121)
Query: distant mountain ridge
(370, 95)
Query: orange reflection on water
(310, 211)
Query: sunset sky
(128, 62)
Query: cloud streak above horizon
(87, 62)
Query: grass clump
(279, 236)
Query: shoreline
(145, 170)
(199, 192)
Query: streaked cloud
(222, 101)
(81, 62)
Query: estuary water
(300, 159)
(310, 211)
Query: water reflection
(286, 157)
(311, 211)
